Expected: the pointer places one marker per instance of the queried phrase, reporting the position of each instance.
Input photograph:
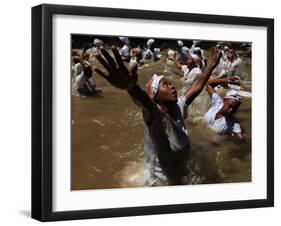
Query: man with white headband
(166, 141)
(220, 116)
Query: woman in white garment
(220, 116)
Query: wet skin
(167, 92)
(230, 106)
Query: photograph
(150, 111)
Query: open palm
(117, 73)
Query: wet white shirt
(223, 125)
(229, 67)
(80, 79)
(190, 75)
(166, 140)
(77, 69)
(148, 55)
(125, 52)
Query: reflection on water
(107, 137)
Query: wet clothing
(223, 125)
(82, 83)
(148, 55)
(77, 69)
(228, 68)
(166, 142)
(183, 55)
(190, 75)
(125, 52)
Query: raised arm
(212, 83)
(199, 84)
(122, 77)
(177, 63)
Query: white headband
(155, 83)
(232, 94)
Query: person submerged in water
(125, 50)
(82, 73)
(166, 141)
(220, 116)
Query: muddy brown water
(108, 130)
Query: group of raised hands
(123, 77)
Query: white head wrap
(149, 43)
(195, 57)
(171, 54)
(98, 42)
(199, 50)
(180, 43)
(232, 94)
(186, 51)
(156, 50)
(153, 84)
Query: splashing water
(107, 137)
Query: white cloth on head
(223, 125)
(186, 51)
(155, 82)
(195, 57)
(180, 43)
(232, 94)
(184, 54)
(149, 43)
(156, 51)
(98, 42)
(171, 54)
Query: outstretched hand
(233, 80)
(117, 73)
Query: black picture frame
(42, 111)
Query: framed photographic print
(143, 112)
